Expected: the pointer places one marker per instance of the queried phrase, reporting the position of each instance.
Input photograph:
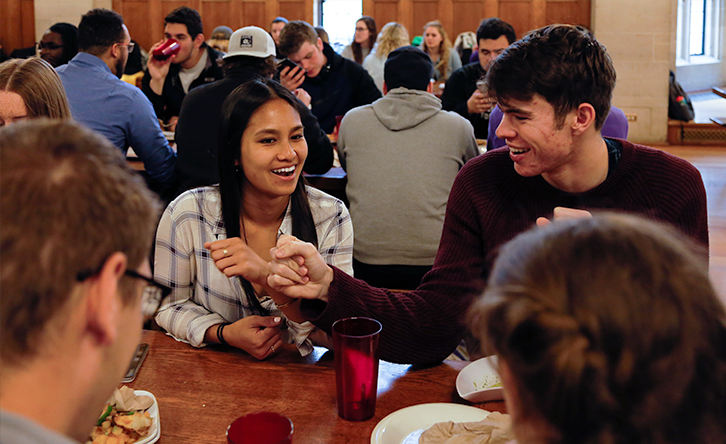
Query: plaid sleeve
(174, 265)
(334, 228)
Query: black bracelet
(220, 336)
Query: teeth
(517, 151)
(284, 170)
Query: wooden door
(17, 24)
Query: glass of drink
(355, 341)
(167, 49)
(260, 428)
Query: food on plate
(494, 429)
(124, 419)
(489, 381)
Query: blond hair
(392, 36)
(442, 66)
(38, 84)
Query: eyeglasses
(131, 45)
(50, 46)
(151, 297)
(361, 29)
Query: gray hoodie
(401, 153)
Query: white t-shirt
(187, 76)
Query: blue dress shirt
(119, 111)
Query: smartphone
(136, 362)
(286, 62)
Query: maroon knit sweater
(489, 204)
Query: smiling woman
(213, 243)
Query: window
(698, 38)
(338, 18)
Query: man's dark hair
(98, 30)
(565, 64)
(265, 67)
(294, 35)
(493, 28)
(186, 16)
(69, 35)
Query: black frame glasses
(152, 294)
(50, 46)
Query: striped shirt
(202, 295)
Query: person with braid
(608, 330)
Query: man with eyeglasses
(116, 109)
(77, 226)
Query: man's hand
(479, 103)
(292, 78)
(235, 258)
(303, 96)
(257, 335)
(311, 279)
(158, 69)
(562, 213)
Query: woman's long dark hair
(372, 36)
(237, 110)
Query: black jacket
(341, 86)
(169, 103)
(197, 133)
(460, 86)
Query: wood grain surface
(201, 391)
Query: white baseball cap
(251, 41)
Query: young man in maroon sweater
(555, 87)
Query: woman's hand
(257, 335)
(233, 257)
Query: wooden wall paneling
(138, 19)
(424, 11)
(491, 8)
(538, 14)
(575, 12)
(384, 12)
(467, 16)
(253, 14)
(216, 13)
(517, 14)
(446, 17)
(405, 16)
(272, 10)
(17, 24)
(294, 10)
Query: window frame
(712, 40)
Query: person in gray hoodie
(401, 154)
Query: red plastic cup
(260, 428)
(355, 341)
(167, 49)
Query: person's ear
(114, 51)
(385, 88)
(103, 301)
(198, 40)
(430, 87)
(320, 44)
(585, 116)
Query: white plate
(405, 425)
(155, 429)
(475, 380)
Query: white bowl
(479, 382)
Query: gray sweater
(401, 153)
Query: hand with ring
(234, 257)
(260, 336)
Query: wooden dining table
(201, 391)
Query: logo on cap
(245, 41)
